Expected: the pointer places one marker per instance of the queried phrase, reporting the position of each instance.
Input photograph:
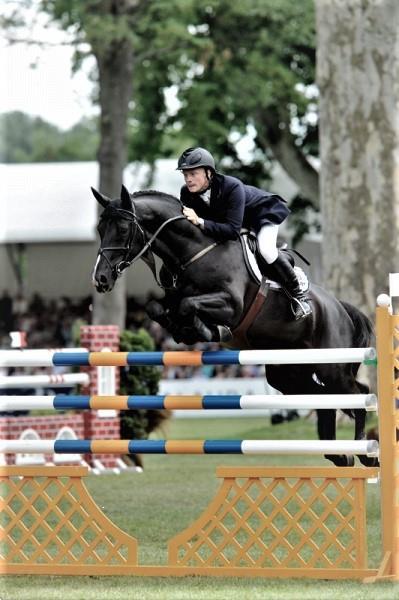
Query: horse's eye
(123, 228)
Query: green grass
(168, 496)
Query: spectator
(6, 313)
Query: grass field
(168, 496)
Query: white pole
(296, 402)
(27, 446)
(368, 447)
(11, 403)
(32, 358)
(306, 356)
(38, 381)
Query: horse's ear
(126, 199)
(103, 200)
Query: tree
(358, 75)
(242, 65)
(24, 138)
(107, 27)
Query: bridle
(128, 260)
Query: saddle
(251, 253)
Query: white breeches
(267, 240)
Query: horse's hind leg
(341, 379)
(360, 416)
(299, 379)
(326, 429)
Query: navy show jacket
(234, 205)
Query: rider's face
(196, 179)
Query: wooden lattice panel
(281, 519)
(49, 523)
(263, 522)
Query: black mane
(143, 193)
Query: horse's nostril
(103, 279)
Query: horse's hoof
(341, 460)
(276, 419)
(369, 461)
(154, 309)
(225, 334)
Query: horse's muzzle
(101, 278)
(102, 284)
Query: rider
(220, 205)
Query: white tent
(52, 202)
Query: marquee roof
(52, 202)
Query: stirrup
(305, 309)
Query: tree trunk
(358, 78)
(282, 144)
(115, 67)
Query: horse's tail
(364, 332)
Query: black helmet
(196, 157)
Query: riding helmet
(196, 157)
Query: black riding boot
(283, 273)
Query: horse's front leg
(212, 314)
(188, 329)
(159, 313)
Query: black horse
(207, 284)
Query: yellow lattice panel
(49, 523)
(263, 522)
(281, 520)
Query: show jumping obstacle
(86, 424)
(263, 522)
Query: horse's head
(121, 238)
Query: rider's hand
(191, 215)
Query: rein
(118, 269)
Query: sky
(39, 80)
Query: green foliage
(141, 381)
(24, 138)
(304, 218)
(234, 66)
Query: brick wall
(47, 427)
(85, 424)
(95, 338)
